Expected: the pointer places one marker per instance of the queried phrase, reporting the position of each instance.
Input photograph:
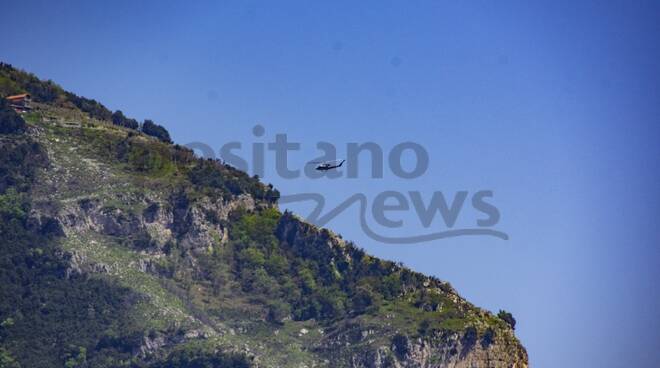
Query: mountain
(120, 249)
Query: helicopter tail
(341, 163)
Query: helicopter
(327, 165)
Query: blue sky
(554, 107)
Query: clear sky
(554, 107)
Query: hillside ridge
(120, 248)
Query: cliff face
(121, 250)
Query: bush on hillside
(118, 118)
(10, 121)
(155, 130)
(508, 318)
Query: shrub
(77, 359)
(400, 344)
(118, 118)
(10, 121)
(362, 300)
(252, 258)
(391, 286)
(7, 360)
(277, 265)
(12, 205)
(508, 318)
(278, 311)
(19, 162)
(424, 326)
(428, 301)
(155, 130)
(469, 338)
(307, 277)
(148, 159)
(332, 304)
(488, 338)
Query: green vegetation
(400, 343)
(150, 159)
(118, 118)
(310, 280)
(210, 175)
(155, 130)
(20, 158)
(7, 360)
(508, 318)
(10, 121)
(43, 312)
(12, 206)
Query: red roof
(18, 97)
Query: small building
(20, 103)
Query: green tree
(252, 258)
(118, 118)
(400, 344)
(307, 279)
(12, 205)
(391, 286)
(77, 361)
(276, 264)
(332, 304)
(10, 121)
(278, 311)
(508, 318)
(7, 360)
(155, 130)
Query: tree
(276, 265)
(508, 318)
(155, 130)
(362, 300)
(7, 360)
(307, 278)
(332, 303)
(423, 327)
(118, 118)
(278, 311)
(391, 286)
(251, 257)
(78, 360)
(10, 121)
(400, 344)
